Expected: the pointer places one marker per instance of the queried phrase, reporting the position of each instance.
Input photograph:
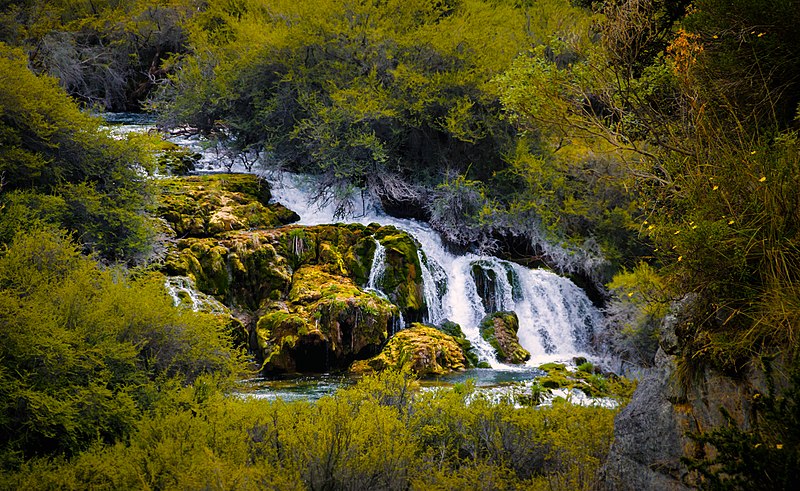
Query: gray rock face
(648, 442)
(652, 432)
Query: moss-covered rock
(500, 330)
(402, 278)
(326, 323)
(301, 283)
(204, 206)
(423, 349)
(453, 329)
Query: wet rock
(326, 323)
(500, 330)
(402, 278)
(423, 349)
(452, 329)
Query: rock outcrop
(500, 330)
(325, 323)
(423, 349)
(300, 290)
(652, 433)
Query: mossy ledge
(209, 205)
(423, 349)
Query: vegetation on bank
(380, 434)
(650, 145)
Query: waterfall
(378, 266)
(183, 292)
(557, 320)
(434, 286)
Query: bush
(85, 351)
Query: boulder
(326, 323)
(423, 349)
(402, 278)
(500, 330)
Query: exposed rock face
(426, 350)
(651, 432)
(204, 206)
(500, 330)
(301, 284)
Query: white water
(183, 292)
(378, 266)
(557, 320)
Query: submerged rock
(500, 330)
(423, 349)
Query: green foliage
(740, 39)
(58, 166)
(379, 434)
(383, 96)
(637, 306)
(108, 53)
(85, 351)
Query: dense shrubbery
(106, 53)
(86, 352)
(380, 434)
(58, 167)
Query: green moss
(500, 330)
(326, 312)
(402, 279)
(203, 206)
(423, 349)
(358, 259)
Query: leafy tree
(105, 53)
(58, 165)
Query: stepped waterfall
(556, 319)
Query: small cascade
(378, 267)
(184, 293)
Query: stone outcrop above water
(325, 323)
(500, 330)
(299, 289)
(423, 349)
(205, 206)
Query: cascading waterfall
(434, 286)
(557, 320)
(378, 266)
